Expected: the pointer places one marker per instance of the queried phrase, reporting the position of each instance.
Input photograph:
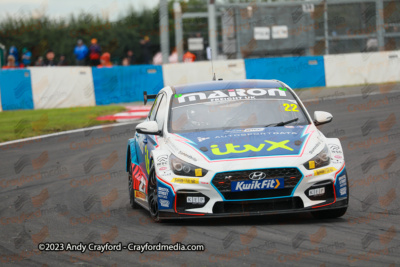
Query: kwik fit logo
(257, 185)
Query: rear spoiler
(146, 97)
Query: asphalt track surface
(73, 188)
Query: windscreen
(235, 108)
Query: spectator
(26, 57)
(62, 61)
(39, 62)
(125, 62)
(105, 60)
(372, 45)
(145, 45)
(189, 57)
(131, 57)
(10, 63)
(81, 52)
(50, 59)
(157, 59)
(173, 58)
(14, 52)
(94, 53)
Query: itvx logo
(231, 148)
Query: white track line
(65, 132)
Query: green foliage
(41, 35)
(27, 123)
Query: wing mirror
(322, 117)
(148, 127)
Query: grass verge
(27, 123)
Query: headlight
(322, 159)
(180, 167)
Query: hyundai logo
(257, 176)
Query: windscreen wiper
(282, 123)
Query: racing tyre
(152, 196)
(132, 202)
(334, 213)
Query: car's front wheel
(333, 213)
(152, 196)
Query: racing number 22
(291, 107)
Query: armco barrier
(297, 72)
(182, 73)
(15, 89)
(126, 84)
(62, 87)
(362, 68)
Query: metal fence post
(212, 29)
(178, 30)
(380, 31)
(237, 27)
(164, 32)
(326, 28)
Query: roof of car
(220, 85)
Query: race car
(234, 148)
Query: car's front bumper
(295, 201)
(194, 215)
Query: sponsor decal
(228, 95)
(343, 191)
(240, 133)
(324, 171)
(341, 186)
(335, 149)
(336, 161)
(139, 194)
(316, 191)
(142, 185)
(311, 164)
(342, 180)
(186, 180)
(231, 148)
(196, 200)
(163, 192)
(165, 196)
(253, 130)
(309, 175)
(163, 168)
(162, 161)
(165, 173)
(315, 147)
(187, 155)
(291, 107)
(257, 185)
(338, 157)
(147, 159)
(198, 172)
(201, 139)
(257, 176)
(164, 203)
(204, 182)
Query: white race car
(234, 148)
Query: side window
(154, 108)
(162, 110)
